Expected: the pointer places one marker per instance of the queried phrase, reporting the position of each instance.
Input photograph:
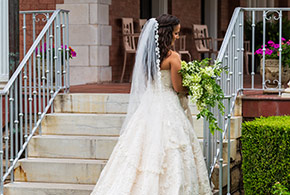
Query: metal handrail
(228, 33)
(32, 48)
(231, 55)
(29, 93)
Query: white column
(4, 43)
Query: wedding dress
(166, 160)
(158, 152)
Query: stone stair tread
(63, 160)
(34, 185)
(59, 170)
(103, 137)
(86, 114)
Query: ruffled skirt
(158, 154)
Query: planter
(272, 73)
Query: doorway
(153, 8)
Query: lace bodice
(166, 79)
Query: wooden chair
(203, 43)
(247, 53)
(182, 47)
(129, 42)
(142, 22)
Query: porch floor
(255, 103)
(125, 87)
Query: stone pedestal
(4, 43)
(286, 93)
(90, 35)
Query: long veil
(146, 74)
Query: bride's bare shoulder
(174, 58)
(174, 55)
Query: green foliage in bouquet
(200, 78)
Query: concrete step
(74, 171)
(91, 103)
(82, 124)
(33, 188)
(215, 176)
(233, 149)
(236, 127)
(95, 103)
(92, 124)
(58, 146)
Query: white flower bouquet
(200, 79)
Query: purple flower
(265, 46)
(283, 39)
(276, 46)
(268, 52)
(259, 51)
(73, 54)
(271, 43)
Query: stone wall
(91, 36)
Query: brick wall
(189, 12)
(223, 17)
(25, 5)
(183, 9)
(119, 9)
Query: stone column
(90, 35)
(4, 43)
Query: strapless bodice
(166, 79)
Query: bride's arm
(175, 66)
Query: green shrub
(279, 189)
(266, 154)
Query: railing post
(264, 49)
(4, 46)
(280, 51)
(229, 147)
(253, 49)
(1, 148)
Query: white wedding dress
(157, 157)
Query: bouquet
(199, 78)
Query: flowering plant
(272, 51)
(71, 53)
(199, 78)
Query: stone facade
(91, 37)
(95, 31)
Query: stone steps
(87, 147)
(108, 124)
(81, 147)
(77, 139)
(82, 124)
(96, 103)
(34, 188)
(53, 170)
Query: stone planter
(272, 73)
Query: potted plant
(272, 62)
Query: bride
(158, 152)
